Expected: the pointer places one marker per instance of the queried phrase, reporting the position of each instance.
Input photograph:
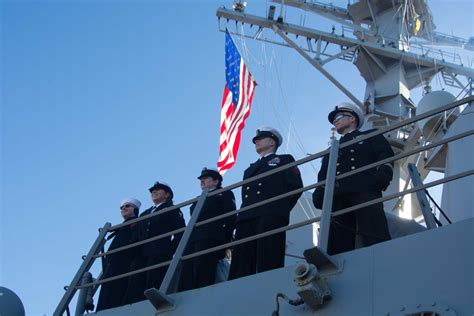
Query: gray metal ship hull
(431, 271)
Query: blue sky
(100, 99)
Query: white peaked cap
(349, 108)
(267, 131)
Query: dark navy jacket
(111, 293)
(219, 230)
(159, 225)
(270, 186)
(358, 155)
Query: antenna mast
(390, 43)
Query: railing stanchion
(84, 301)
(318, 255)
(328, 197)
(85, 266)
(159, 298)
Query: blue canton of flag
(232, 66)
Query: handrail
(348, 143)
(341, 176)
(139, 243)
(121, 276)
(339, 212)
(347, 174)
(93, 253)
(306, 159)
(289, 227)
(312, 186)
(306, 188)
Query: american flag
(238, 94)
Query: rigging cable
(297, 138)
(247, 53)
(431, 41)
(264, 51)
(403, 27)
(251, 58)
(298, 141)
(438, 207)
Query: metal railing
(324, 219)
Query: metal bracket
(160, 301)
(421, 196)
(322, 261)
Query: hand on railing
(318, 197)
(383, 177)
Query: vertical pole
(328, 196)
(96, 287)
(165, 287)
(85, 266)
(421, 196)
(83, 293)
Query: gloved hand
(383, 177)
(318, 197)
(229, 233)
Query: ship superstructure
(394, 46)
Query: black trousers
(361, 228)
(200, 271)
(111, 293)
(259, 255)
(138, 283)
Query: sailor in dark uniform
(157, 251)
(111, 293)
(368, 225)
(265, 253)
(201, 271)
